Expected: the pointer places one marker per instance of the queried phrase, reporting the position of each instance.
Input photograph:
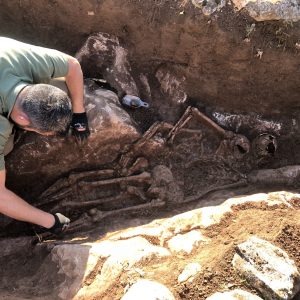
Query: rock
(145, 85)
(121, 255)
(151, 232)
(174, 95)
(234, 295)
(44, 159)
(97, 270)
(11, 246)
(171, 85)
(148, 290)
(76, 262)
(285, 10)
(269, 199)
(80, 264)
(207, 216)
(267, 268)
(254, 124)
(161, 231)
(186, 243)
(208, 7)
(103, 54)
(189, 272)
(288, 176)
(182, 223)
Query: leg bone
(143, 177)
(127, 157)
(213, 189)
(188, 114)
(133, 209)
(91, 203)
(66, 187)
(138, 165)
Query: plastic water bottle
(133, 102)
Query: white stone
(173, 93)
(207, 216)
(189, 272)
(267, 268)
(287, 10)
(171, 85)
(234, 295)
(270, 199)
(124, 255)
(208, 7)
(186, 243)
(145, 231)
(148, 290)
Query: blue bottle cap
(133, 102)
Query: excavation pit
(223, 121)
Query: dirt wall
(229, 60)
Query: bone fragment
(213, 189)
(74, 177)
(62, 195)
(203, 118)
(143, 177)
(127, 157)
(83, 204)
(85, 221)
(139, 164)
(182, 121)
(54, 188)
(135, 191)
(132, 209)
(194, 112)
(63, 186)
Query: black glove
(60, 225)
(80, 126)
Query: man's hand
(74, 81)
(60, 225)
(80, 126)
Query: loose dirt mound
(280, 226)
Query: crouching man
(29, 102)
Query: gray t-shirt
(22, 64)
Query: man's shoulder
(5, 129)
(8, 43)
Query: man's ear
(21, 118)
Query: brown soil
(220, 71)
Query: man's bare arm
(74, 81)
(13, 206)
